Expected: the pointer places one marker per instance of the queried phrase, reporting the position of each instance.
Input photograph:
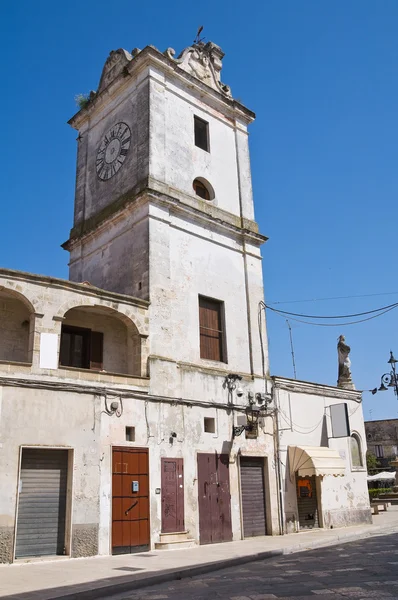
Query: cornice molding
(79, 288)
(220, 220)
(315, 389)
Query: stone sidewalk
(90, 578)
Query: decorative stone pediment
(116, 62)
(203, 61)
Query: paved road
(362, 570)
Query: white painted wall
(304, 419)
(78, 422)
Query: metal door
(214, 498)
(130, 500)
(42, 503)
(307, 503)
(253, 496)
(172, 495)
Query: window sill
(17, 363)
(359, 470)
(99, 373)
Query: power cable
(367, 312)
(334, 298)
(337, 324)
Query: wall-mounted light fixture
(253, 413)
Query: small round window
(203, 189)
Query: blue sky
(322, 78)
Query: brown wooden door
(130, 500)
(214, 498)
(253, 496)
(172, 495)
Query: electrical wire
(341, 324)
(380, 311)
(305, 429)
(361, 314)
(334, 298)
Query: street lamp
(389, 379)
(253, 413)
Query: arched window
(203, 189)
(356, 451)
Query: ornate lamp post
(389, 379)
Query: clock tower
(163, 203)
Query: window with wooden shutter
(212, 344)
(96, 350)
(81, 348)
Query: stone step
(174, 536)
(187, 543)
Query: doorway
(42, 503)
(253, 496)
(172, 495)
(307, 503)
(130, 500)
(214, 498)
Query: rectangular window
(209, 424)
(81, 348)
(130, 434)
(379, 451)
(201, 134)
(211, 318)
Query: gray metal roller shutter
(42, 503)
(253, 496)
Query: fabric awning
(315, 460)
(384, 476)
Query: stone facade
(382, 439)
(143, 249)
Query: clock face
(113, 150)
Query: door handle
(126, 512)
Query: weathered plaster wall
(184, 161)
(186, 261)
(31, 417)
(154, 423)
(131, 107)
(116, 256)
(304, 419)
(78, 422)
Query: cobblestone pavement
(364, 569)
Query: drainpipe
(281, 507)
(248, 315)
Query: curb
(141, 581)
(164, 576)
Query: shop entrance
(307, 502)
